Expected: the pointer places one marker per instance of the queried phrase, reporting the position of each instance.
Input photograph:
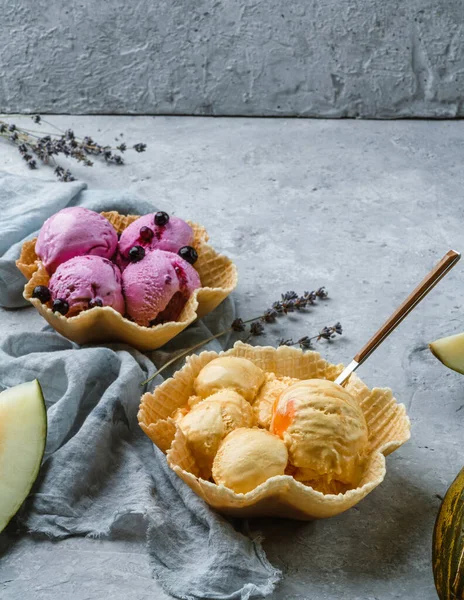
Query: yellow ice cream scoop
(268, 395)
(209, 421)
(324, 430)
(248, 457)
(238, 374)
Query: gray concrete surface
(364, 208)
(367, 58)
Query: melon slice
(23, 433)
(450, 350)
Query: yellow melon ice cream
(324, 430)
(268, 395)
(248, 457)
(238, 374)
(209, 421)
(179, 414)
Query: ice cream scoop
(74, 231)
(238, 374)
(248, 457)
(157, 287)
(210, 421)
(268, 395)
(86, 282)
(155, 231)
(324, 430)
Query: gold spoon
(418, 294)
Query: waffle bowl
(281, 496)
(103, 324)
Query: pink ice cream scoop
(85, 282)
(156, 231)
(157, 287)
(75, 231)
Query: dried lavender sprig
(257, 327)
(45, 148)
(69, 133)
(290, 301)
(64, 174)
(305, 343)
(67, 143)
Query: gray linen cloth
(101, 476)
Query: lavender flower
(238, 325)
(289, 302)
(256, 328)
(66, 143)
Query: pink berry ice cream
(156, 231)
(85, 282)
(75, 231)
(147, 276)
(157, 287)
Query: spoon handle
(424, 287)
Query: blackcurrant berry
(42, 293)
(161, 218)
(189, 254)
(136, 253)
(60, 306)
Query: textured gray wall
(325, 58)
